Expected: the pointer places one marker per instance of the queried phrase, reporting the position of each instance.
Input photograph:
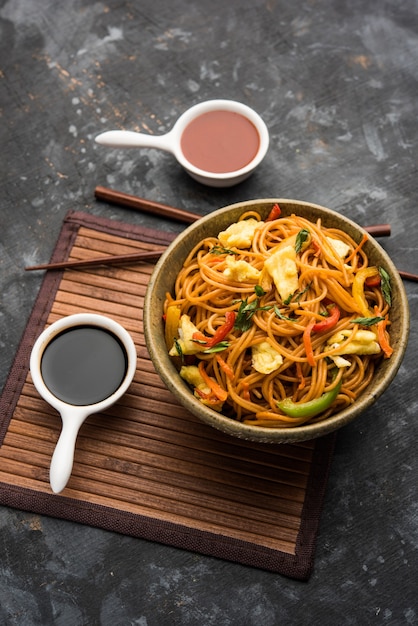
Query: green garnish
(245, 315)
(367, 321)
(259, 291)
(281, 316)
(221, 250)
(178, 347)
(247, 310)
(300, 294)
(219, 347)
(385, 285)
(301, 238)
(296, 296)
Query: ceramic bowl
(162, 281)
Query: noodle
(280, 360)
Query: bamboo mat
(147, 468)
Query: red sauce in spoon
(220, 141)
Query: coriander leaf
(385, 285)
(221, 250)
(219, 347)
(301, 238)
(244, 315)
(246, 311)
(178, 347)
(367, 321)
(281, 316)
(300, 294)
(295, 295)
(259, 291)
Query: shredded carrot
(300, 376)
(358, 248)
(317, 247)
(308, 343)
(246, 391)
(220, 393)
(226, 368)
(383, 337)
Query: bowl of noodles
(276, 320)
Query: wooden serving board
(147, 467)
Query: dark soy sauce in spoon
(84, 365)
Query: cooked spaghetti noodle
(280, 322)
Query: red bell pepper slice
(373, 281)
(328, 322)
(274, 213)
(220, 333)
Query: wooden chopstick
(134, 257)
(147, 206)
(408, 276)
(378, 230)
(156, 208)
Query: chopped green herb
(246, 311)
(178, 347)
(301, 238)
(281, 316)
(245, 315)
(221, 250)
(259, 291)
(219, 347)
(296, 296)
(300, 294)
(367, 321)
(385, 285)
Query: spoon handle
(130, 139)
(63, 457)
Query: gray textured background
(336, 82)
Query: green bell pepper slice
(312, 407)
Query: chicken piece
(240, 271)
(364, 342)
(186, 344)
(265, 359)
(239, 234)
(339, 247)
(281, 265)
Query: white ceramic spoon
(73, 416)
(171, 141)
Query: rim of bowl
(221, 105)
(154, 336)
(77, 320)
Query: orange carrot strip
(382, 336)
(300, 376)
(226, 368)
(220, 393)
(246, 391)
(308, 343)
(358, 248)
(317, 247)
